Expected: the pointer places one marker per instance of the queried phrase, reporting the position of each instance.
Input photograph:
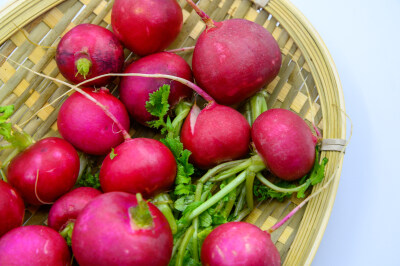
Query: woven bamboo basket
(308, 84)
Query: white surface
(363, 38)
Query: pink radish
(12, 208)
(45, 171)
(215, 134)
(285, 143)
(66, 209)
(139, 165)
(134, 91)
(146, 26)
(87, 127)
(234, 59)
(119, 228)
(88, 51)
(34, 245)
(239, 243)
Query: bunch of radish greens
(203, 200)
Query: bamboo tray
(308, 84)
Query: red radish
(88, 51)
(239, 243)
(116, 229)
(215, 134)
(12, 208)
(66, 209)
(233, 59)
(285, 143)
(146, 26)
(139, 165)
(45, 171)
(87, 127)
(134, 91)
(34, 245)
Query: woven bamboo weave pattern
(307, 84)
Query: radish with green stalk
(87, 51)
(234, 59)
(40, 171)
(119, 228)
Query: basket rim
(304, 30)
(22, 12)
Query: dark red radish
(239, 243)
(285, 143)
(234, 59)
(87, 127)
(12, 208)
(34, 245)
(134, 91)
(114, 229)
(67, 208)
(88, 51)
(215, 134)
(139, 165)
(146, 26)
(45, 171)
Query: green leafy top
(316, 176)
(158, 106)
(89, 180)
(17, 139)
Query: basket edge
(310, 30)
(21, 13)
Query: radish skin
(87, 127)
(234, 59)
(285, 143)
(140, 165)
(87, 51)
(67, 208)
(12, 208)
(215, 134)
(106, 233)
(134, 91)
(146, 26)
(34, 245)
(239, 243)
(45, 171)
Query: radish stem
(183, 49)
(209, 22)
(210, 173)
(240, 202)
(267, 183)
(249, 188)
(218, 196)
(182, 248)
(258, 105)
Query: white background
(364, 40)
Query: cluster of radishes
(232, 61)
